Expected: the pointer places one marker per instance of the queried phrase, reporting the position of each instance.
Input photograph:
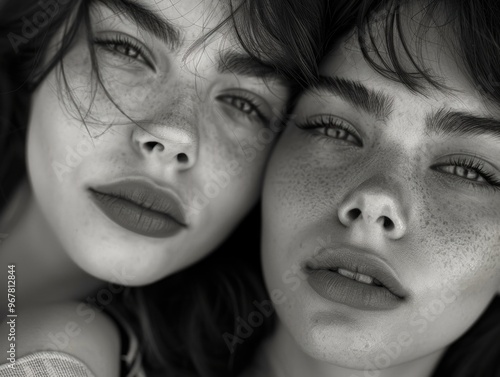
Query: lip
(335, 287)
(141, 206)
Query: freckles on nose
(179, 108)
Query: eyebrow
(229, 62)
(242, 64)
(446, 122)
(147, 20)
(358, 95)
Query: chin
(339, 354)
(127, 267)
(357, 350)
(345, 347)
(127, 276)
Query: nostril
(353, 214)
(151, 145)
(182, 158)
(388, 223)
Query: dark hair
(471, 30)
(201, 309)
(208, 307)
(183, 319)
(468, 27)
(289, 46)
(22, 47)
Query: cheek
(304, 182)
(294, 201)
(243, 145)
(229, 170)
(65, 138)
(459, 235)
(53, 136)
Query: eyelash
(254, 107)
(467, 163)
(120, 40)
(331, 123)
(478, 167)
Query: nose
(374, 209)
(172, 146)
(170, 134)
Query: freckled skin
(452, 236)
(177, 104)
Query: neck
(280, 356)
(44, 272)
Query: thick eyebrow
(242, 64)
(147, 20)
(229, 62)
(456, 123)
(371, 101)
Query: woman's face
(381, 233)
(136, 194)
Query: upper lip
(146, 194)
(359, 261)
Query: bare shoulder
(71, 327)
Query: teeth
(364, 279)
(356, 276)
(347, 273)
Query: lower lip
(136, 218)
(334, 287)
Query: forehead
(182, 22)
(192, 17)
(459, 106)
(432, 54)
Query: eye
(334, 128)
(469, 170)
(126, 49)
(460, 171)
(246, 104)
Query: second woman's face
(381, 233)
(140, 188)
